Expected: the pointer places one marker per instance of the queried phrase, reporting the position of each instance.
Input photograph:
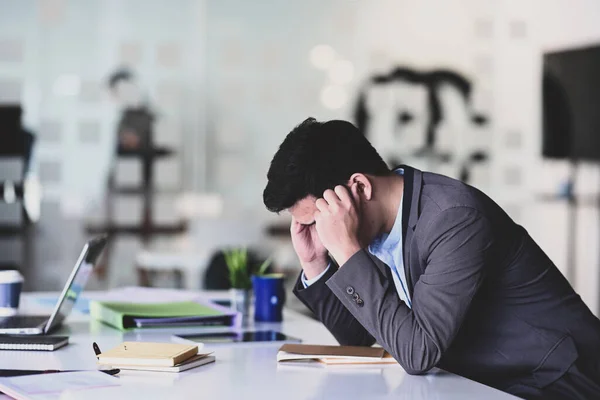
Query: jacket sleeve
(330, 311)
(456, 246)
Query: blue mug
(269, 295)
(11, 283)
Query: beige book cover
(148, 354)
(195, 361)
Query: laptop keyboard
(22, 321)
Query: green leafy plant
(262, 270)
(240, 270)
(239, 273)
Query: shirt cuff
(308, 282)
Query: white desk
(241, 371)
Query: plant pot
(240, 301)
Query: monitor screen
(571, 100)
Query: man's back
(525, 325)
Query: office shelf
(147, 228)
(138, 230)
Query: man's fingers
(354, 190)
(321, 205)
(343, 195)
(317, 217)
(296, 226)
(330, 196)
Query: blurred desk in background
(187, 268)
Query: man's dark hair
(316, 156)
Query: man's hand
(308, 247)
(337, 223)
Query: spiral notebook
(32, 342)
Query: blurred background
(155, 121)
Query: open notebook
(334, 355)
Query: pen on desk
(111, 372)
(97, 351)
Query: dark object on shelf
(135, 129)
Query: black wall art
(416, 120)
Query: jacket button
(356, 297)
(350, 290)
(360, 302)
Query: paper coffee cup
(11, 283)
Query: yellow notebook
(148, 354)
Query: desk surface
(241, 371)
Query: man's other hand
(336, 221)
(308, 247)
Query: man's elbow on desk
(414, 367)
(418, 360)
(418, 370)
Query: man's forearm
(331, 312)
(364, 290)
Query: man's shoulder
(440, 193)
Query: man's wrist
(342, 256)
(314, 268)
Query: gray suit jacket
(487, 303)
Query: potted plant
(240, 272)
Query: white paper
(52, 386)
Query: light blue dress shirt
(388, 248)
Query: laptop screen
(76, 282)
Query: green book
(146, 315)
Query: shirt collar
(389, 241)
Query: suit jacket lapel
(410, 216)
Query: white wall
(241, 79)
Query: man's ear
(364, 188)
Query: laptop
(41, 325)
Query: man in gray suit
(429, 268)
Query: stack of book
(123, 316)
(160, 357)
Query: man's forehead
(304, 209)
